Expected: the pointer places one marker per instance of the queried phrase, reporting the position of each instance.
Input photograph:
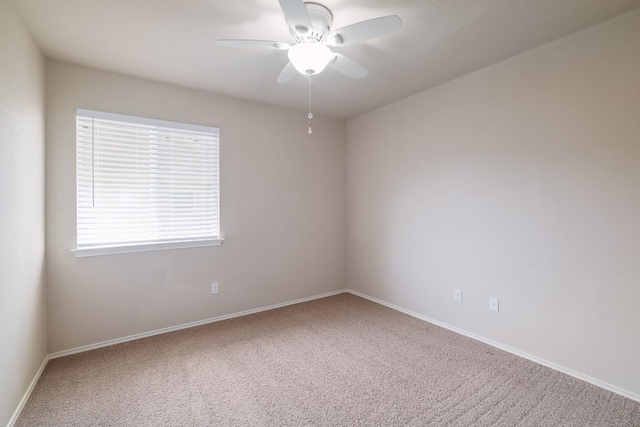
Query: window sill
(146, 247)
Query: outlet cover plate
(457, 296)
(493, 304)
(214, 288)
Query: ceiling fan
(310, 25)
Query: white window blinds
(144, 181)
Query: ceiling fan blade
(295, 12)
(260, 44)
(365, 30)
(348, 67)
(287, 74)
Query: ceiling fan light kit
(310, 58)
(311, 55)
(310, 26)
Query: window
(145, 184)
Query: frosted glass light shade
(310, 58)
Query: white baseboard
(187, 325)
(543, 362)
(26, 395)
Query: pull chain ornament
(310, 115)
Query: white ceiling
(173, 41)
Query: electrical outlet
(457, 296)
(493, 304)
(214, 288)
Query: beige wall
(283, 214)
(519, 181)
(22, 293)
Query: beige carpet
(338, 361)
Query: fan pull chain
(310, 113)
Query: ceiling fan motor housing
(321, 20)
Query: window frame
(167, 244)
